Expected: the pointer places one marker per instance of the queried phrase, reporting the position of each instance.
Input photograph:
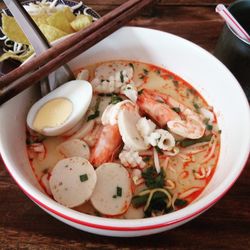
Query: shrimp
(153, 104)
(191, 126)
(107, 145)
(160, 107)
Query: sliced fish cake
(72, 181)
(74, 147)
(112, 195)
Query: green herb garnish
(115, 99)
(121, 76)
(140, 91)
(196, 106)
(180, 203)
(118, 192)
(93, 116)
(83, 177)
(107, 94)
(176, 109)
(188, 142)
(153, 179)
(97, 112)
(146, 158)
(176, 83)
(158, 150)
(209, 127)
(145, 71)
(132, 66)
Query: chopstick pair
(19, 79)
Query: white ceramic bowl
(198, 67)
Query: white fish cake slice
(112, 195)
(72, 181)
(131, 137)
(74, 147)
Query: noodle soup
(148, 145)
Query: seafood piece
(113, 193)
(127, 120)
(108, 143)
(131, 159)
(145, 127)
(192, 127)
(72, 181)
(130, 91)
(110, 114)
(152, 103)
(74, 147)
(161, 138)
(160, 108)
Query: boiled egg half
(62, 109)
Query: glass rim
(233, 32)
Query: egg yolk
(53, 114)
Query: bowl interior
(211, 78)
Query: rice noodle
(186, 158)
(165, 163)
(212, 150)
(208, 171)
(188, 192)
(174, 152)
(170, 184)
(193, 151)
(157, 162)
(174, 197)
(200, 175)
(172, 169)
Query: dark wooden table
(226, 225)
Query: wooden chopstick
(16, 81)
(63, 46)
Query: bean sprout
(188, 192)
(157, 162)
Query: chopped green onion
(153, 179)
(140, 91)
(115, 99)
(180, 203)
(145, 71)
(176, 83)
(147, 158)
(196, 106)
(132, 66)
(93, 116)
(121, 76)
(84, 177)
(176, 109)
(209, 127)
(119, 191)
(188, 142)
(158, 150)
(138, 201)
